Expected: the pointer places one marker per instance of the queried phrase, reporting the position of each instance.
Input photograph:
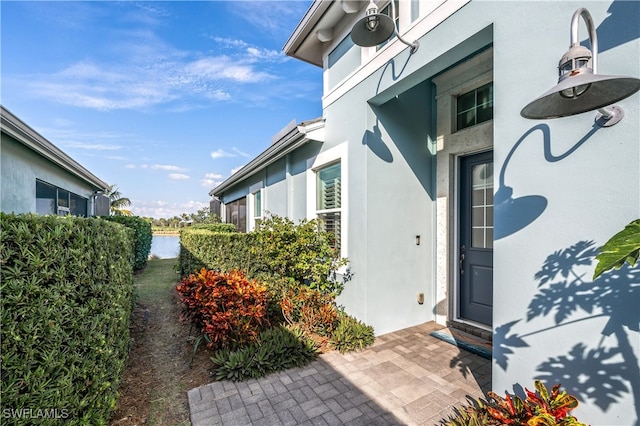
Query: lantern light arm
(593, 41)
(414, 46)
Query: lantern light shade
(376, 28)
(580, 88)
(598, 91)
(364, 36)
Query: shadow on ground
(407, 377)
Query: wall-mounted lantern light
(376, 28)
(580, 88)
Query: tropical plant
(622, 247)
(230, 309)
(276, 349)
(352, 335)
(539, 408)
(311, 310)
(118, 203)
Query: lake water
(165, 246)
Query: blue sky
(163, 99)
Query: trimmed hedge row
(66, 302)
(220, 251)
(215, 227)
(277, 249)
(142, 237)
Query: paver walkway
(406, 378)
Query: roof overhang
(317, 27)
(20, 131)
(291, 138)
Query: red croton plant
(538, 409)
(229, 309)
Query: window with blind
(328, 205)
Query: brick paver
(406, 378)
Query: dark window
(236, 213)
(78, 205)
(46, 198)
(53, 200)
(474, 107)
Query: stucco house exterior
(38, 177)
(452, 207)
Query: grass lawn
(158, 374)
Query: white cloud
(158, 78)
(220, 153)
(241, 153)
(236, 169)
(92, 146)
(211, 180)
(178, 176)
(130, 166)
(167, 167)
(266, 54)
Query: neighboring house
(414, 147)
(37, 177)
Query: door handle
(460, 264)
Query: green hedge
(142, 237)
(277, 249)
(215, 227)
(220, 251)
(66, 302)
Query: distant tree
(118, 202)
(204, 216)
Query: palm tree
(118, 202)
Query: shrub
(221, 251)
(276, 349)
(66, 302)
(539, 408)
(311, 310)
(227, 307)
(215, 227)
(142, 237)
(301, 252)
(352, 335)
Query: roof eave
(23, 133)
(304, 133)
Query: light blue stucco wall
(585, 335)
(390, 202)
(388, 121)
(19, 169)
(590, 180)
(284, 184)
(573, 186)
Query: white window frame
(252, 205)
(337, 154)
